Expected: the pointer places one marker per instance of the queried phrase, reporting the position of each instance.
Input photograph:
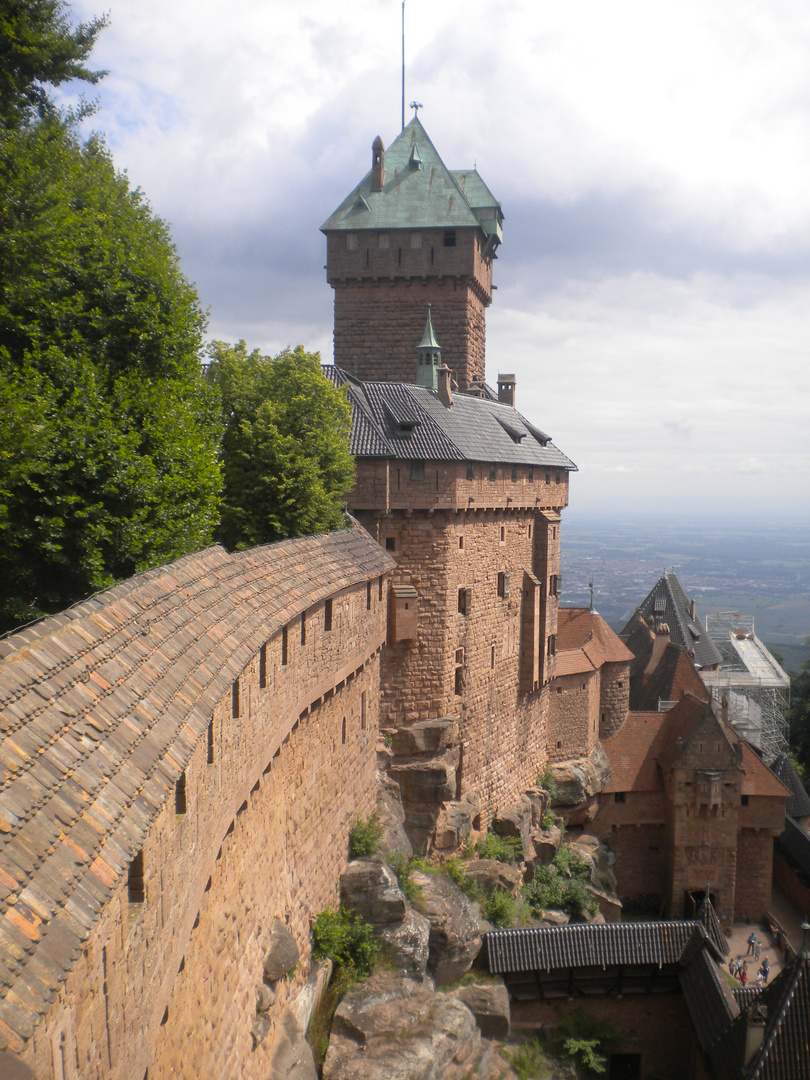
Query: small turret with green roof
(429, 357)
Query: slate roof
(798, 804)
(411, 423)
(547, 948)
(667, 602)
(795, 843)
(101, 708)
(423, 197)
(707, 917)
(585, 642)
(709, 998)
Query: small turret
(429, 355)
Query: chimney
(506, 389)
(377, 164)
(692, 614)
(724, 709)
(445, 391)
(756, 1017)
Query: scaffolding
(752, 681)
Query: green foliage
(507, 849)
(365, 835)
(404, 868)
(800, 718)
(499, 908)
(321, 1022)
(454, 868)
(529, 1061)
(561, 885)
(343, 937)
(547, 781)
(108, 433)
(39, 48)
(549, 820)
(584, 1040)
(285, 452)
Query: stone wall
(615, 698)
(754, 873)
(256, 828)
(382, 297)
(574, 715)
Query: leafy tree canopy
(285, 457)
(38, 49)
(109, 434)
(800, 718)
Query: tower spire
(429, 356)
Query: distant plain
(759, 568)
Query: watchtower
(412, 233)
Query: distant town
(759, 569)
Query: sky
(652, 161)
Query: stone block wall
(752, 896)
(615, 698)
(574, 715)
(382, 297)
(166, 986)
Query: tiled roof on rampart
(798, 805)
(547, 948)
(411, 423)
(709, 998)
(102, 707)
(585, 642)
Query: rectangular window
(263, 666)
(368, 596)
(548, 476)
(327, 615)
(303, 628)
(558, 477)
(514, 473)
(449, 237)
(503, 585)
(180, 795)
(492, 658)
(461, 548)
(210, 742)
(552, 645)
(379, 588)
(416, 239)
(743, 800)
(284, 650)
(492, 473)
(390, 544)
(531, 474)
(383, 241)
(530, 532)
(417, 470)
(363, 716)
(459, 682)
(136, 888)
(470, 471)
(552, 585)
(235, 700)
(503, 534)
(464, 601)
(618, 796)
(351, 241)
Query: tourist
(757, 948)
(766, 969)
(744, 974)
(752, 940)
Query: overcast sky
(652, 160)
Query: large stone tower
(412, 233)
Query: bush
(546, 780)
(508, 849)
(365, 835)
(549, 820)
(343, 937)
(528, 1060)
(454, 869)
(403, 868)
(499, 908)
(561, 885)
(584, 1040)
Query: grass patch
(546, 780)
(403, 868)
(529, 1061)
(506, 849)
(365, 835)
(499, 908)
(320, 1024)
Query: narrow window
(368, 596)
(399, 256)
(263, 666)
(211, 742)
(135, 883)
(470, 471)
(363, 715)
(459, 681)
(235, 700)
(503, 585)
(449, 237)
(398, 471)
(343, 732)
(558, 477)
(366, 256)
(437, 479)
(530, 532)
(548, 476)
(492, 658)
(327, 615)
(743, 800)
(461, 548)
(390, 544)
(492, 472)
(284, 656)
(431, 256)
(180, 795)
(417, 470)
(514, 473)
(379, 588)
(464, 601)
(503, 533)
(531, 474)
(552, 585)
(303, 628)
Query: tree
(285, 453)
(109, 434)
(800, 716)
(38, 48)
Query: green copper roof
(419, 192)
(428, 338)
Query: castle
(182, 755)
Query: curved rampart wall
(159, 722)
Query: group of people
(738, 968)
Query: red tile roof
(633, 752)
(585, 642)
(101, 708)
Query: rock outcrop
(489, 1004)
(579, 779)
(369, 886)
(282, 952)
(455, 940)
(406, 944)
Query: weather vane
(416, 106)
